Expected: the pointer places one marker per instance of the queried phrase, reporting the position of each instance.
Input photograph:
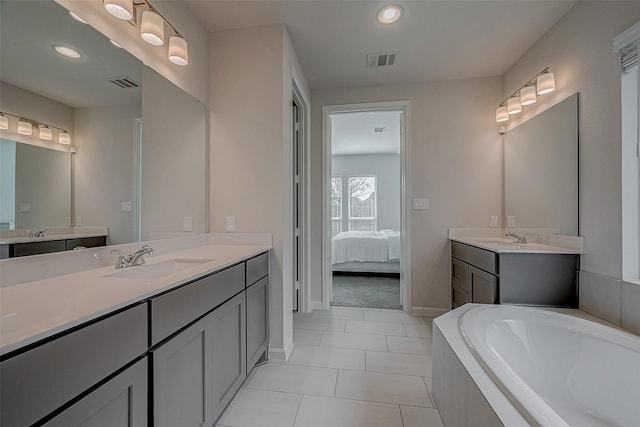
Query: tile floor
(350, 368)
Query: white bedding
(365, 246)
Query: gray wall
(386, 167)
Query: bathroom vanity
(494, 270)
(168, 343)
(19, 243)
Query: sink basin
(153, 271)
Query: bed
(366, 251)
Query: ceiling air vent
(124, 82)
(378, 130)
(376, 60)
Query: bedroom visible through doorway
(365, 199)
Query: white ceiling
(354, 133)
(28, 30)
(435, 40)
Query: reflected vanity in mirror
(541, 170)
(138, 141)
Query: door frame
(405, 187)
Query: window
(362, 203)
(336, 206)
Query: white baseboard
(279, 353)
(428, 311)
(316, 305)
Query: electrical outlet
(494, 221)
(126, 206)
(78, 221)
(25, 207)
(187, 223)
(231, 223)
(511, 221)
(420, 203)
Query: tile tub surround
(467, 384)
(35, 309)
(340, 378)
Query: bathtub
(557, 370)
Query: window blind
(629, 56)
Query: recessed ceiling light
(77, 18)
(389, 14)
(67, 51)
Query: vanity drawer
(460, 273)
(458, 296)
(87, 242)
(36, 248)
(178, 308)
(40, 380)
(481, 258)
(257, 268)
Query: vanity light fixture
(389, 14)
(540, 84)
(25, 127)
(121, 9)
(152, 26)
(44, 132)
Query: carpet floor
(366, 291)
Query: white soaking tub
(558, 370)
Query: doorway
(365, 244)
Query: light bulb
(178, 50)
(121, 9)
(513, 105)
(546, 83)
(152, 28)
(502, 115)
(389, 14)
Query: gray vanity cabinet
(482, 276)
(183, 378)
(229, 351)
(257, 321)
(121, 402)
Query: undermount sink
(153, 271)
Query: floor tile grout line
(335, 388)
(295, 418)
(401, 417)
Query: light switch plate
(78, 221)
(231, 223)
(187, 223)
(420, 203)
(511, 221)
(494, 221)
(126, 206)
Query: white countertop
(47, 238)
(500, 245)
(38, 309)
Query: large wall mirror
(139, 141)
(541, 170)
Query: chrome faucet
(39, 233)
(516, 238)
(136, 258)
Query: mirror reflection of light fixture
(178, 50)
(64, 138)
(152, 28)
(540, 84)
(121, 9)
(546, 83)
(44, 132)
(25, 127)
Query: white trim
(316, 305)
(630, 35)
(279, 353)
(405, 227)
(429, 311)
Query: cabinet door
(484, 286)
(229, 351)
(257, 321)
(182, 378)
(120, 402)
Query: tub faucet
(516, 238)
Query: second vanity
(495, 270)
(167, 343)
